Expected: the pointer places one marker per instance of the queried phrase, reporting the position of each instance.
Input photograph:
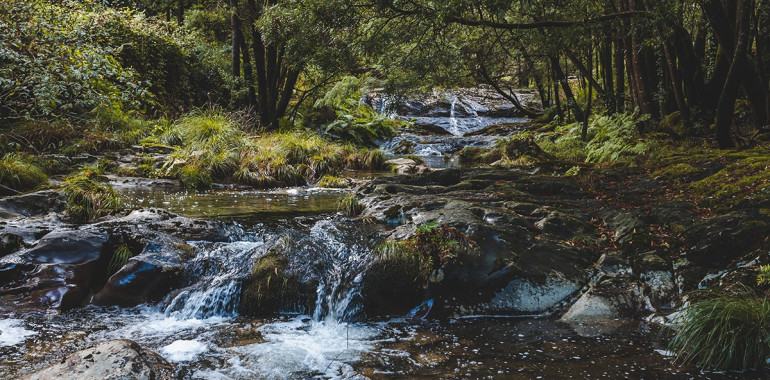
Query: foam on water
(184, 350)
(12, 332)
(300, 348)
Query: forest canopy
(698, 68)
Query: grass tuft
(87, 199)
(725, 332)
(20, 174)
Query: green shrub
(53, 62)
(332, 182)
(87, 199)
(724, 332)
(356, 122)
(19, 173)
(193, 178)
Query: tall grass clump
(19, 173)
(724, 332)
(209, 140)
(430, 250)
(87, 198)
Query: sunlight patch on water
(12, 332)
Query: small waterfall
(338, 292)
(215, 274)
(454, 124)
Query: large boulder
(112, 360)
(56, 274)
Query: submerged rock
(116, 359)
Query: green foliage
(19, 173)
(610, 138)
(724, 332)
(214, 142)
(356, 122)
(194, 178)
(119, 258)
(351, 206)
(332, 182)
(53, 62)
(763, 278)
(87, 199)
(430, 250)
(616, 138)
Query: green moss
(19, 173)
(676, 172)
(332, 182)
(428, 252)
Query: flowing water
(198, 327)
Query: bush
(53, 64)
(216, 143)
(87, 199)
(332, 182)
(724, 332)
(19, 173)
(351, 206)
(356, 121)
(610, 138)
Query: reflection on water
(224, 204)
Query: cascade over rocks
(50, 267)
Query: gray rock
(616, 298)
(112, 360)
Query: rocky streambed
(570, 276)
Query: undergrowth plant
(19, 173)
(214, 144)
(119, 259)
(87, 198)
(429, 251)
(724, 332)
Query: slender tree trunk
(557, 95)
(237, 38)
(676, 83)
(726, 105)
(571, 101)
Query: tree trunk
(726, 105)
(237, 38)
(571, 101)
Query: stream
(199, 329)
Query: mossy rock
(273, 287)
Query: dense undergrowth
(215, 146)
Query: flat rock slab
(116, 359)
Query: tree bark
(726, 105)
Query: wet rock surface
(117, 359)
